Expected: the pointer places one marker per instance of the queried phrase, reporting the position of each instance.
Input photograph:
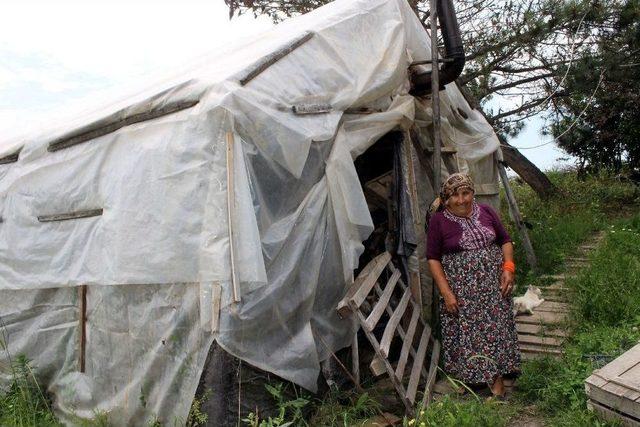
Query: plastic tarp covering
(154, 167)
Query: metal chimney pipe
(453, 61)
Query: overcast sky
(55, 54)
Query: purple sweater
(449, 233)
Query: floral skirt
(480, 342)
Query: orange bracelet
(509, 266)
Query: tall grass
(606, 323)
(25, 404)
(559, 225)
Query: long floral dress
(480, 342)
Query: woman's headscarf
(449, 188)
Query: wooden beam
(274, 57)
(515, 213)
(418, 362)
(435, 97)
(83, 326)
(382, 303)
(407, 342)
(106, 127)
(390, 330)
(70, 215)
(231, 203)
(11, 158)
(363, 284)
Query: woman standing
(471, 261)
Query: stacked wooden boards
(541, 333)
(614, 390)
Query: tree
(599, 122)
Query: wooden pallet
(404, 322)
(614, 390)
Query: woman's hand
(506, 283)
(450, 302)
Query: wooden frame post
(231, 203)
(82, 291)
(515, 211)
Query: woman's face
(461, 202)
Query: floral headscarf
(449, 188)
(455, 181)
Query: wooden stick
(83, 326)
(274, 57)
(106, 127)
(515, 212)
(70, 215)
(435, 97)
(231, 202)
(216, 296)
(355, 359)
(11, 158)
(344, 368)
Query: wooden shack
(614, 390)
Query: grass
(558, 226)
(606, 322)
(24, 404)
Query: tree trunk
(527, 171)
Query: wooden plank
(377, 311)
(435, 99)
(305, 109)
(621, 391)
(612, 415)
(515, 213)
(376, 346)
(355, 359)
(119, 120)
(595, 381)
(625, 382)
(70, 215)
(400, 329)
(418, 363)
(274, 57)
(608, 396)
(377, 366)
(540, 330)
(389, 331)
(623, 363)
(363, 284)
(633, 374)
(541, 317)
(10, 158)
(433, 369)
(408, 341)
(525, 355)
(231, 203)
(83, 326)
(216, 299)
(553, 307)
(540, 341)
(528, 348)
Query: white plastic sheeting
(163, 237)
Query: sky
(56, 55)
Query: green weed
(474, 412)
(290, 412)
(25, 404)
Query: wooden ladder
(367, 287)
